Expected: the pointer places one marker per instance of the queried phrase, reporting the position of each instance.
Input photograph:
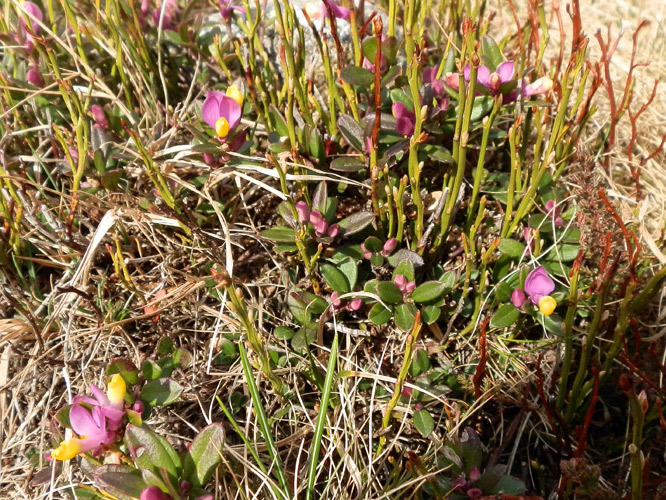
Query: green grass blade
(263, 420)
(321, 419)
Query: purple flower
(110, 404)
(405, 119)
(538, 284)
(154, 493)
(222, 112)
(227, 9)
(554, 211)
(518, 298)
(24, 35)
(493, 81)
(429, 77)
(34, 78)
(91, 429)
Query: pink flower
(321, 227)
(92, 431)
(367, 254)
(99, 116)
(405, 119)
(303, 211)
(22, 33)
(335, 300)
(493, 81)
(355, 304)
(389, 246)
(154, 493)
(528, 234)
(227, 9)
(110, 404)
(538, 284)
(555, 212)
(518, 298)
(169, 18)
(221, 112)
(34, 78)
(338, 11)
(406, 287)
(441, 97)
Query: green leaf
(349, 268)
(304, 337)
(482, 106)
(406, 268)
(424, 422)
(351, 131)
(153, 452)
(511, 248)
(121, 481)
(373, 244)
(355, 75)
(428, 291)
(298, 308)
(379, 315)
(316, 145)
(314, 303)
(421, 363)
(491, 53)
(111, 179)
(161, 392)
(204, 455)
(125, 368)
(348, 164)
(431, 313)
(436, 152)
(399, 95)
(508, 485)
(151, 370)
(278, 121)
(565, 252)
(505, 316)
(283, 234)
(388, 292)
(404, 316)
(283, 333)
(356, 222)
(320, 197)
(503, 292)
(335, 278)
(402, 254)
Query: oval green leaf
(505, 316)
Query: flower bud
(154, 493)
(409, 287)
(355, 304)
(518, 298)
(400, 281)
(367, 254)
(303, 211)
(389, 246)
(34, 78)
(333, 231)
(643, 401)
(335, 300)
(474, 474)
(115, 390)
